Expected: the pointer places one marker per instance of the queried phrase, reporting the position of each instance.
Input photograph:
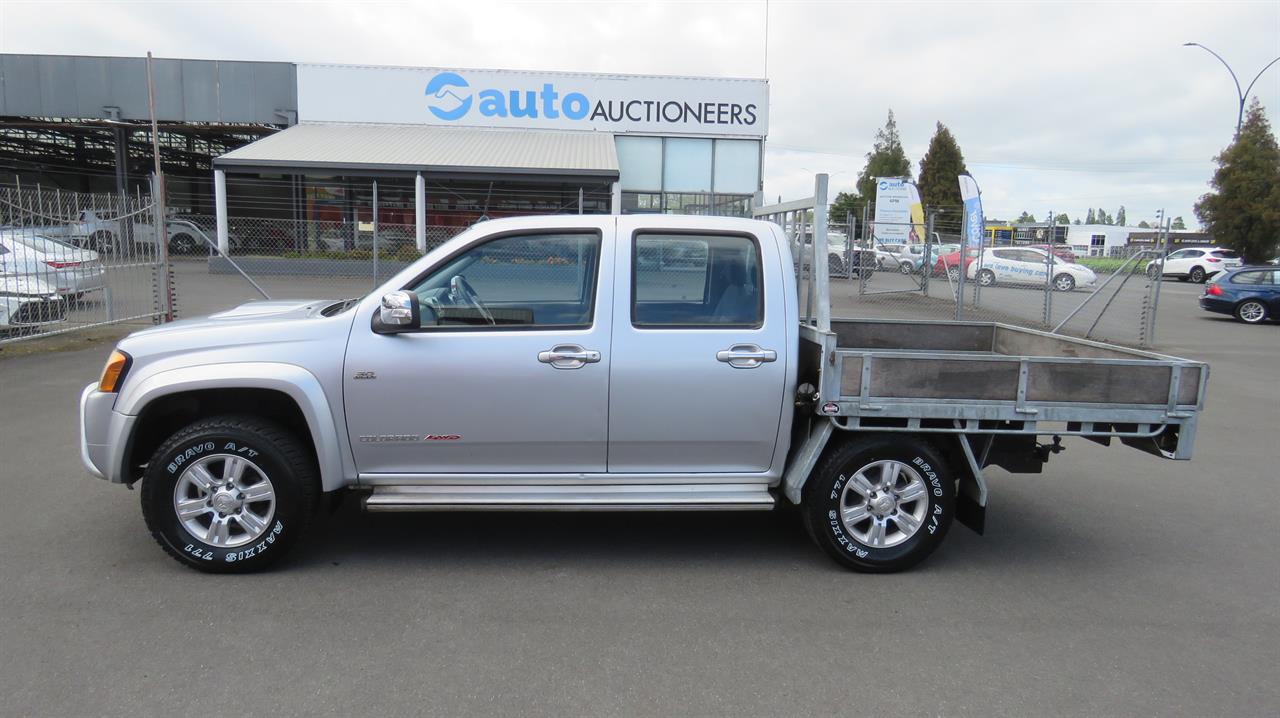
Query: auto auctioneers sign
(507, 98)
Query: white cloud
(1056, 106)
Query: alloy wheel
(224, 500)
(884, 503)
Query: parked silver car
(27, 303)
(71, 271)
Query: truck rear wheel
(229, 494)
(880, 504)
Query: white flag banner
(974, 226)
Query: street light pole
(1241, 95)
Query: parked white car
(70, 270)
(1195, 263)
(1024, 265)
(27, 302)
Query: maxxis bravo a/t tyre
(229, 494)
(880, 504)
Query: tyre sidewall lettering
(175, 534)
(938, 509)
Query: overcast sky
(1056, 106)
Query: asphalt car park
(1115, 583)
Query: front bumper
(102, 435)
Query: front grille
(40, 311)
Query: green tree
(1243, 209)
(1025, 218)
(1144, 224)
(847, 203)
(886, 159)
(1178, 223)
(1103, 217)
(940, 169)
(1092, 218)
(1120, 216)
(1062, 218)
(1077, 220)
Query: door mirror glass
(398, 311)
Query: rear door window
(1251, 278)
(696, 280)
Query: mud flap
(971, 499)
(969, 512)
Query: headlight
(113, 373)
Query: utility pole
(1242, 96)
(161, 232)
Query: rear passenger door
(699, 350)
(1180, 262)
(1270, 287)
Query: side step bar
(679, 497)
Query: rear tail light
(1213, 290)
(61, 265)
(1213, 259)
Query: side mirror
(397, 312)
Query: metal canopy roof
(335, 148)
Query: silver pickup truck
(616, 363)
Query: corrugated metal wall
(76, 87)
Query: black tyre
(1064, 282)
(229, 494)
(905, 267)
(880, 504)
(1251, 311)
(183, 243)
(835, 265)
(986, 278)
(954, 274)
(1197, 275)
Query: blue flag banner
(974, 226)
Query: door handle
(568, 356)
(746, 356)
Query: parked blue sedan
(1250, 294)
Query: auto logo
(830, 408)
(364, 375)
(443, 101)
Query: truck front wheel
(229, 494)
(880, 504)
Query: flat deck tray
(883, 363)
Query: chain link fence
(307, 248)
(74, 260)
(1044, 286)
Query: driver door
(508, 372)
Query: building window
(681, 175)
(640, 163)
(1097, 245)
(737, 167)
(686, 165)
